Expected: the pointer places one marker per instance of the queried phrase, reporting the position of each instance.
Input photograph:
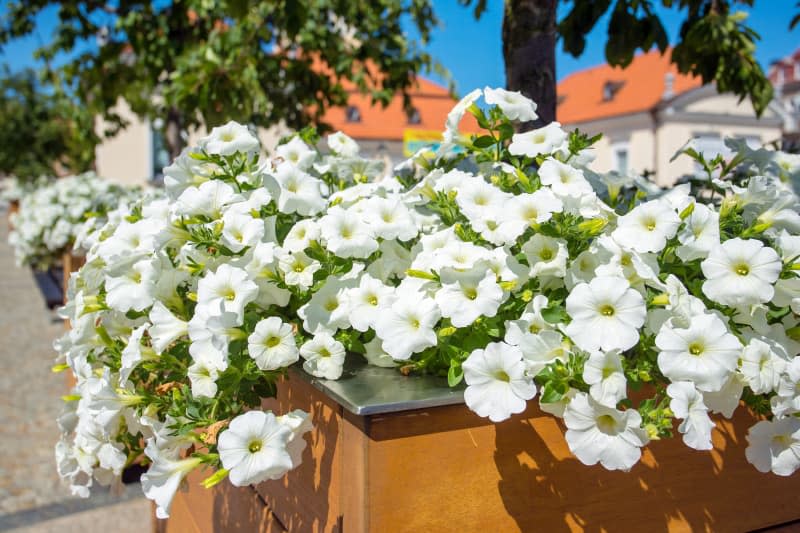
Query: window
(414, 116)
(159, 151)
(620, 157)
(610, 89)
(352, 114)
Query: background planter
(383, 459)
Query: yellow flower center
(695, 348)
(607, 310)
(272, 341)
(742, 269)
(254, 446)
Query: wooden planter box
(377, 463)
(70, 263)
(13, 207)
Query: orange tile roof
(641, 87)
(431, 100)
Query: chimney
(669, 89)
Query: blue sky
(471, 49)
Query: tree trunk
(172, 133)
(529, 51)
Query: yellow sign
(415, 140)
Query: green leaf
(455, 373)
(484, 141)
(553, 391)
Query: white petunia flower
(603, 372)
(541, 349)
(787, 400)
(241, 230)
(296, 153)
(298, 269)
(497, 386)
(407, 327)
(366, 302)
(343, 145)
(204, 372)
(534, 208)
(513, 104)
(451, 133)
(741, 272)
(389, 219)
(346, 234)
(134, 289)
(272, 344)
(775, 446)
(761, 366)
(228, 289)
(207, 200)
(301, 235)
(563, 179)
(324, 356)
(530, 323)
(327, 309)
(467, 295)
(376, 355)
(687, 403)
(596, 433)
(254, 448)
(699, 235)
(296, 191)
(647, 227)
(164, 477)
(229, 139)
(606, 314)
(166, 327)
(704, 352)
(545, 140)
(547, 256)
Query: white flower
(514, 105)
(132, 354)
(324, 356)
(296, 191)
(240, 230)
(761, 366)
(455, 115)
(704, 352)
(534, 208)
(647, 227)
(476, 198)
(164, 477)
(298, 269)
(741, 272)
(544, 140)
(699, 235)
(229, 139)
(467, 295)
(300, 423)
(603, 372)
(547, 256)
(301, 235)
(296, 153)
(687, 403)
(775, 446)
(204, 372)
(497, 386)
(207, 200)
(606, 314)
(133, 289)
(346, 235)
(376, 355)
(166, 327)
(227, 290)
(389, 218)
(563, 179)
(272, 344)
(596, 433)
(787, 401)
(407, 326)
(531, 321)
(254, 448)
(343, 145)
(327, 309)
(366, 302)
(541, 349)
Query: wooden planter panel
(446, 469)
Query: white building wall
(127, 157)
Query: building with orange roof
(648, 110)
(136, 155)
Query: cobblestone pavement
(30, 393)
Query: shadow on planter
(673, 488)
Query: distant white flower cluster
(52, 215)
(505, 263)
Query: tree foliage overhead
(43, 130)
(198, 62)
(715, 42)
